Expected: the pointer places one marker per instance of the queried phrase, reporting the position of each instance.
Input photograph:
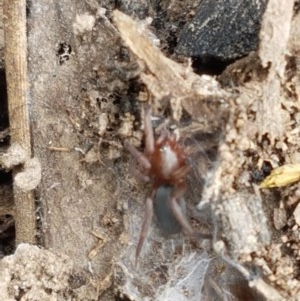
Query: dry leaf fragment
(282, 176)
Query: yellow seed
(282, 176)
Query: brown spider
(164, 160)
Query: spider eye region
(163, 149)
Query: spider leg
(138, 175)
(140, 157)
(181, 218)
(149, 135)
(145, 227)
(163, 135)
(181, 172)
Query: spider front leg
(140, 157)
(145, 227)
(149, 142)
(148, 130)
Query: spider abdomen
(163, 212)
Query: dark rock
(222, 29)
(136, 8)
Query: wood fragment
(102, 240)
(17, 89)
(274, 37)
(165, 78)
(102, 285)
(59, 149)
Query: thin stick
(59, 149)
(16, 72)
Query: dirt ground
(90, 74)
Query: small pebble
(297, 214)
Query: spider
(165, 162)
